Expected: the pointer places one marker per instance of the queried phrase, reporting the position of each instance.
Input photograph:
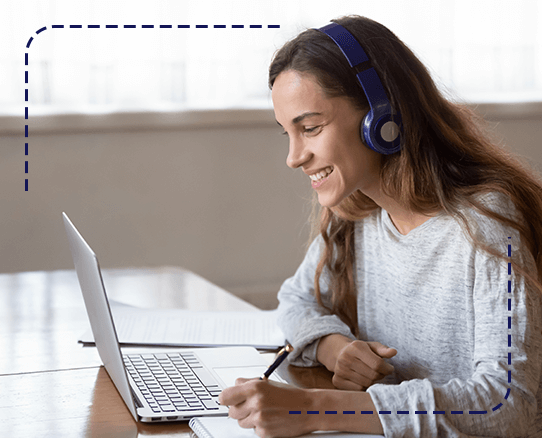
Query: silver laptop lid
(99, 313)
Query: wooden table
(51, 386)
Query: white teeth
(321, 174)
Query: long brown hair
(447, 158)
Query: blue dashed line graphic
(115, 26)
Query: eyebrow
(301, 117)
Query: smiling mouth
(321, 177)
(317, 177)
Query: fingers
(239, 412)
(243, 389)
(382, 350)
(365, 353)
(238, 398)
(232, 396)
(357, 372)
(235, 398)
(245, 421)
(241, 380)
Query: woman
(406, 293)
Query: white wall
(217, 199)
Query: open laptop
(158, 385)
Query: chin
(325, 201)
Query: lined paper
(187, 328)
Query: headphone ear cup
(382, 135)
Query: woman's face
(325, 140)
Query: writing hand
(264, 406)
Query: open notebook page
(186, 328)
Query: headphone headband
(380, 113)
(350, 47)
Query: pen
(279, 359)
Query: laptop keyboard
(173, 382)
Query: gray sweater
(469, 342)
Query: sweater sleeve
(499, 398)
(300, 317)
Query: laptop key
(161, 356)
(176, 399)
(165, 402)
(210, 404)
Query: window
(480, 51)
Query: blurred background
(161, 144)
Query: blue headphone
(380, 128)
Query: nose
(298, 154)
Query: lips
(319, 178)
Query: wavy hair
(446, 162)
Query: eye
(311, 129)
(306, 130)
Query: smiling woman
(430, 247)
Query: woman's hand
(265, 405)
(356, 364)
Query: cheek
(360, 169)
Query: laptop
(158, 385)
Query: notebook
(229, 428)
(158, 385)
